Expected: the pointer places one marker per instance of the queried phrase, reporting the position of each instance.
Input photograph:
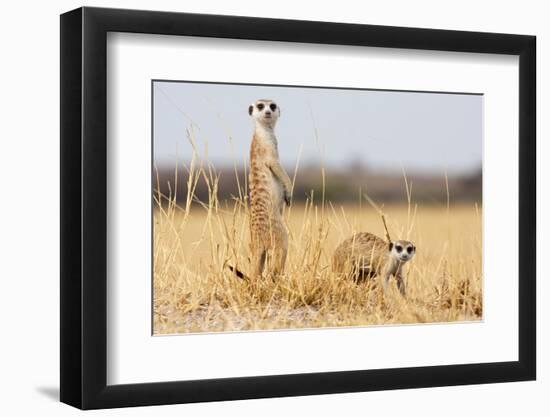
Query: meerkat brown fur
(270, 189)
(365, 255)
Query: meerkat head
(402, 250)
(265, 112)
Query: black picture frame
(84, 207)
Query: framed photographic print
(256, 207)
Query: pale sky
(386, 130)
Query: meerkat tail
(238, 273)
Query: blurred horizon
(363, 139)
(340, 185)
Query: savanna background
(353, 155)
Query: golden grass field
(194, 291)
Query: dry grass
(195, 292)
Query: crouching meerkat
(270, 189)
(365, 255)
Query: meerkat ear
(250, 108)
(391, 246)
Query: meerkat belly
(277, 193)
(266, 192)
(261, 200)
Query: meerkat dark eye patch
(273, 106)
(260, 106)
(398, 248)
(410, 249)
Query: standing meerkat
(270, 189)
(365, 255)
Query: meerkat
(270, 189)
(365, 255)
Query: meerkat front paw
(287, 197)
